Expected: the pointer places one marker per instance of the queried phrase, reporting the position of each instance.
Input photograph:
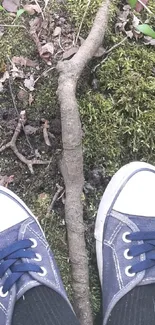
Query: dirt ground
(117, 121)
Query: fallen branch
(12, 145)
(72, 161)
(55, 197)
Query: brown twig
(72, 161)
(45, 131)
(15, 106)
(55, 197)
(12, 145)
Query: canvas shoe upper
(125, 233)
(26, 260)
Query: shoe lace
(10, 259)
(147, 247)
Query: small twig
(12, 145)
(45, 131)
(143, 4)
(55, 197)
(59, 40)
(15, 106)
(36, 2)
(21, 26)
(44, 73)
(107, 53)
(84, 15)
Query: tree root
(72, 161)
(12, 145)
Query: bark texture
(72, 161)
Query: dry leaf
(11, 5)
(57, 31)
(69, 53)
(16, 73)
(5, 180)
(139, 6)
(35, 24)
(129, 33)
(31, 9)
(29, 83)
(47, 48)
(149, 41)
(5, 77)
(22, 95)
(30, 129)
(20, 60)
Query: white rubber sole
(107, 202)
(11, 220)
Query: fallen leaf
(30, 129)
(11, 5)
(20, 60)
(47, 48)
(5, 180)
(69, 53)
(139, 6)
(129, 33)
(149, 41)
(37, 154)
(135, 21)
(35, 24)
(57, 31)
(99, 52)
(16, 73)
(5, 77)
(31, 9)
(22, 95)
(29, 83)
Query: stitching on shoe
(39, 237)
(148, 279)
(27, 226)
(116, 262)
(114, 234)
(7, 318)
(3, 308)
(25, 285)
(45, 244)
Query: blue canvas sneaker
(26, 260)
(125, 233)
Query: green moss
(118, 121)
(77, 8)
(15, 40)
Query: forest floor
(116, 104)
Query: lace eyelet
(129, 273)
(126, 254)
(38, 257)
(3, 295)
(35, 244)
(44, 271)
(124, 237)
